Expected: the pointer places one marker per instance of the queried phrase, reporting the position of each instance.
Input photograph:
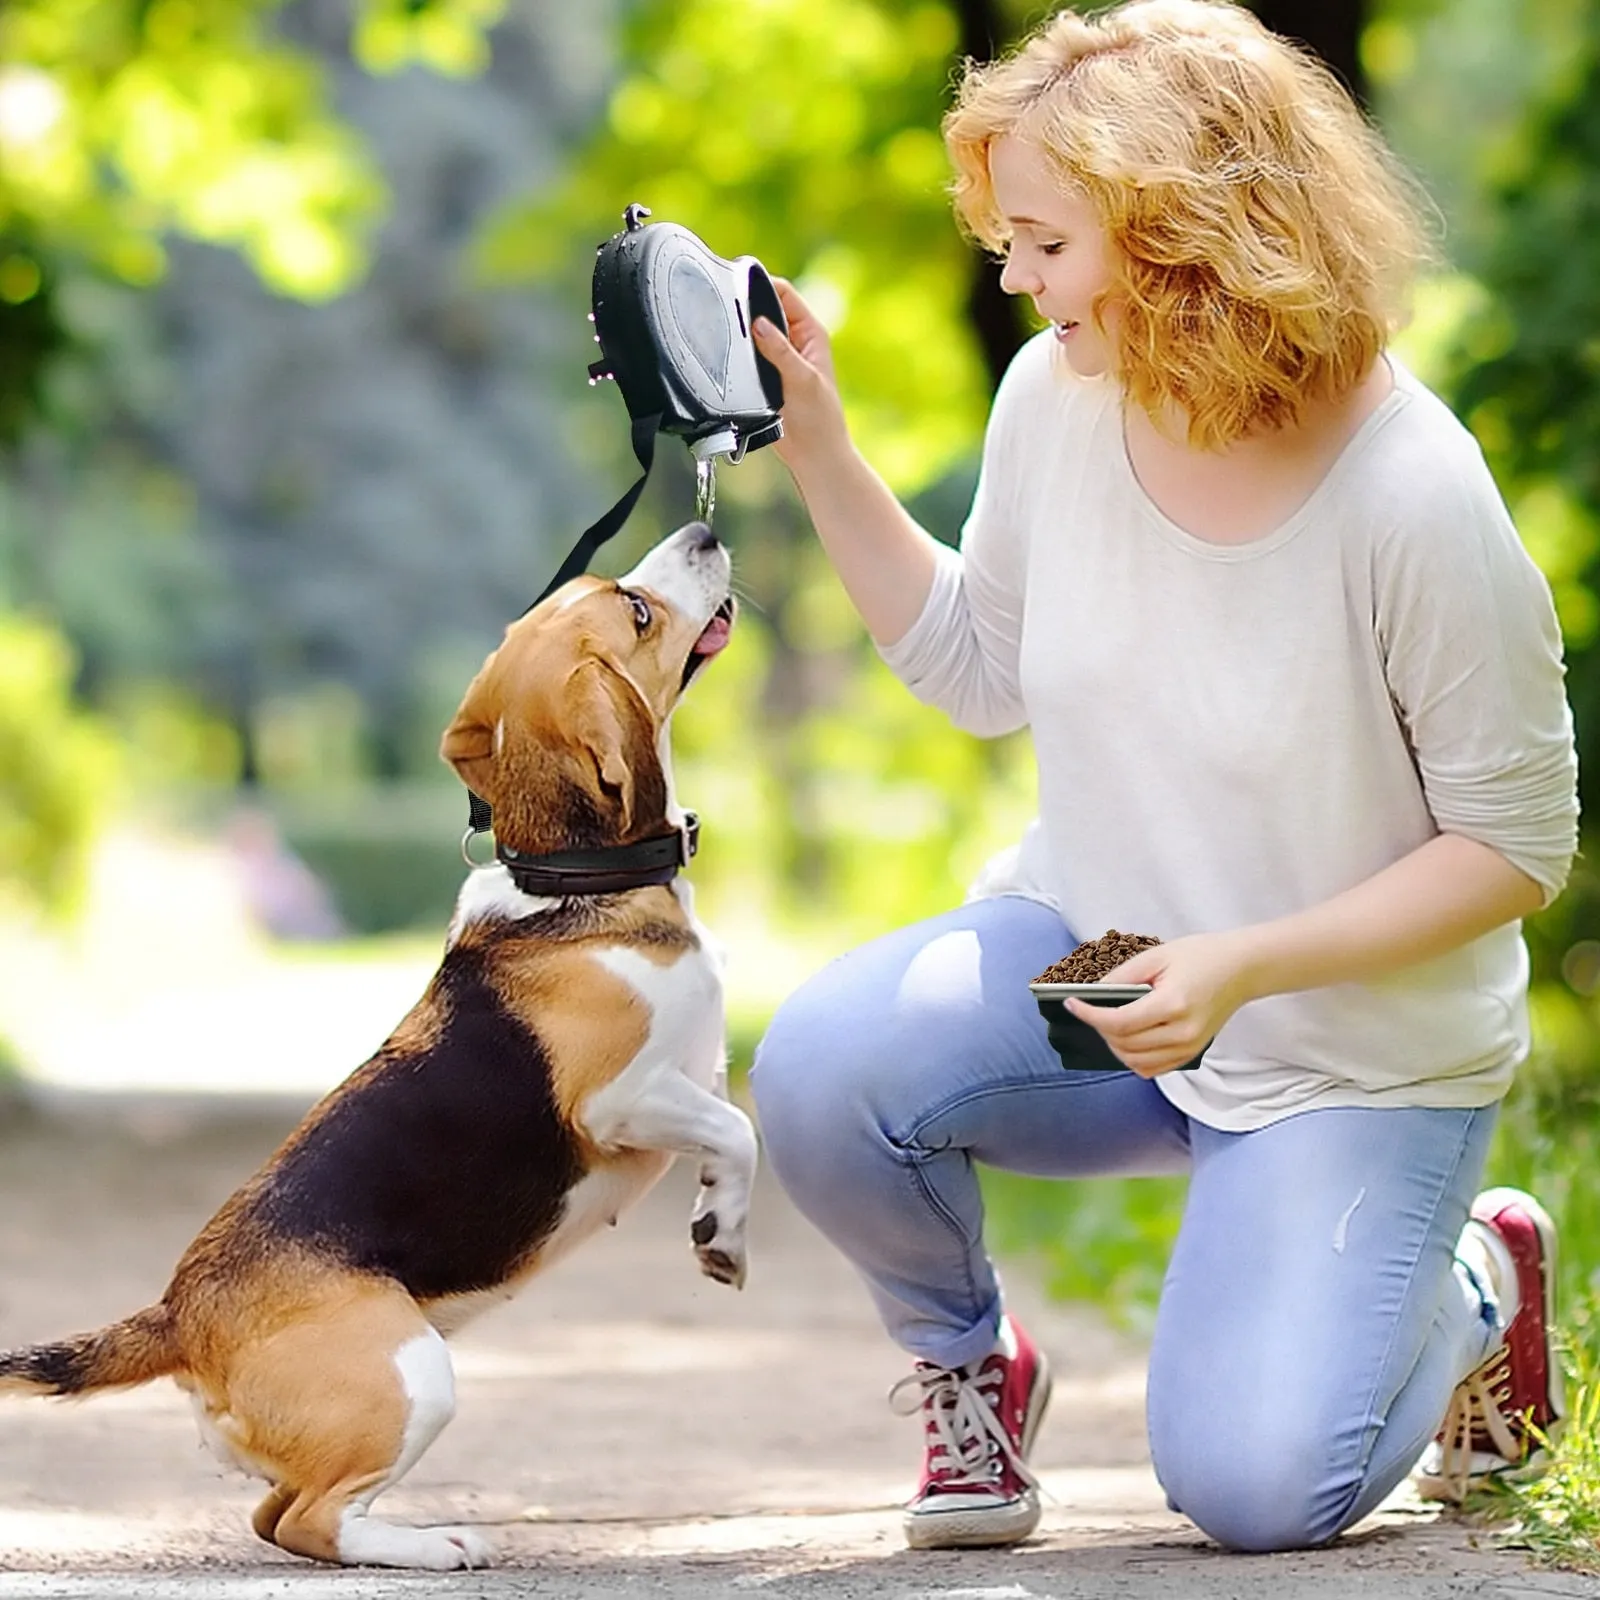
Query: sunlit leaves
(448, 36)
(900, 810)
(1564, 541)
(21, 278)
(120, 121)
(1451, 82)
(58, 764)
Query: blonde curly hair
(1266, 237)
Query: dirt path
(625, 1427)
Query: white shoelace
(1474, 1411)
(963, 1413)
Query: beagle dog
(570, 1044)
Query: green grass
(1548, 1142)
(1555, 1516)
(1101, 1240)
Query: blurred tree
(57, 764)
(31, 333)
(374, 475)
(1332, 28)
(1528, 363)
(123, 119)
(276, 463)
(1452, 82)
(999, 320)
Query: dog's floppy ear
(613, 726)
(469, 741)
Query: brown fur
(348, 1333)
(592, 1023)
(133, 1351)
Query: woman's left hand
(1199, 982)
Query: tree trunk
(1332, 28)
(1000, 320)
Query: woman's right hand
(813, 416)
(886, 562)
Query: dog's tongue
(715, 636)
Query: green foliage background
(60, 766)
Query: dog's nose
(700, 536)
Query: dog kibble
(1094, 958)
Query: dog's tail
(135, 1350)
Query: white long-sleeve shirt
(1229, 733)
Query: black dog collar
(612, 870)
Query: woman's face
(1058, 254)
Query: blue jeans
(1313, 1320)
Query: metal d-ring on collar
(611, 870)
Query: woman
(1297, 703)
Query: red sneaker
(978, 1424)
(1488, 1427)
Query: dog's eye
(641, 609)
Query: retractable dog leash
(673, 322)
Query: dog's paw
(720, 1252)
(455, 1548)
(371, 1542)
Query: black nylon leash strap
(480, 815)
(644, 449)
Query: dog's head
(563, 730)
